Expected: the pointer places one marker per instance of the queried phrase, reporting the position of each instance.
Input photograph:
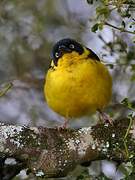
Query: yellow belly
(79, 89)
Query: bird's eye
(56, 54)
(71, 46)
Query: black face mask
(65, 46)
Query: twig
(5, 89)
(119, 28)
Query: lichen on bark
(54, 153)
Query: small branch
(119, 28)
(5, 89)
(54, 153)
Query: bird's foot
(63, 126)
(105, 117)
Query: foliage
(106, 9)
(106, 13)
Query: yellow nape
(78, 85)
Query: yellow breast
(78, 86)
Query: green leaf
(127, 103)
(111, 66)
(95, 27)
(100, 26)
(102, 11)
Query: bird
(77, 82)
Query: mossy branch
(53, 153)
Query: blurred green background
(29, 29)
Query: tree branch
(119, 28)
(53, 153)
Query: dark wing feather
(92, 55)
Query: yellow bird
(77, 82)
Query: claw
(63, 126)
(105, 117)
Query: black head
(65, 46)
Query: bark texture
(53, 153)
